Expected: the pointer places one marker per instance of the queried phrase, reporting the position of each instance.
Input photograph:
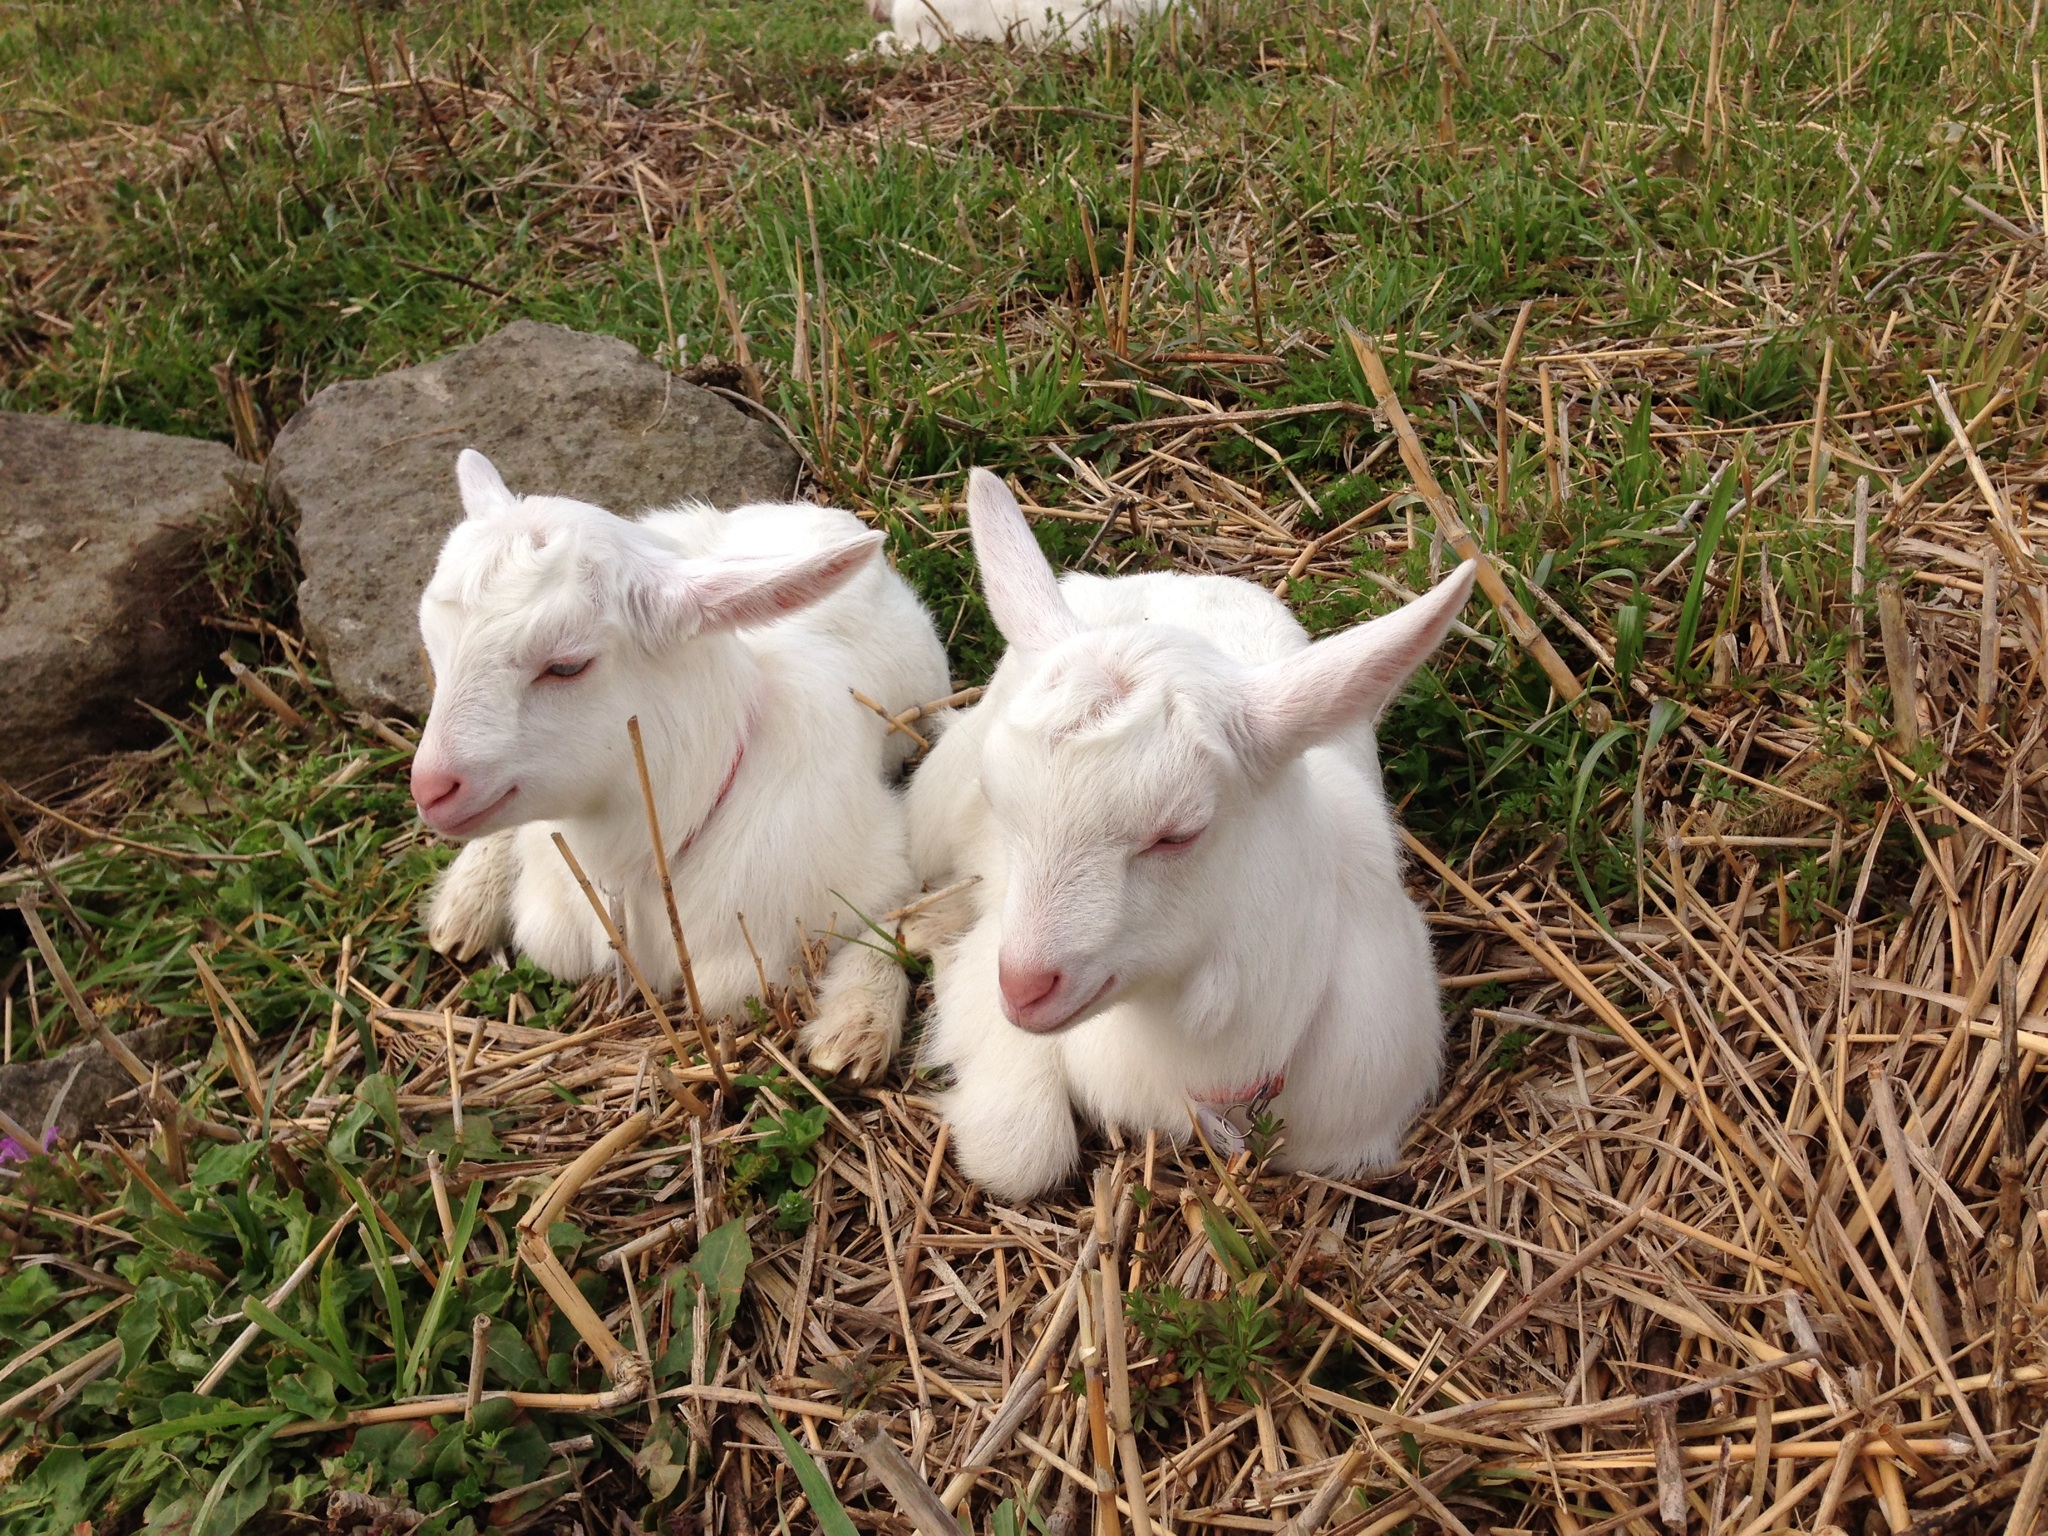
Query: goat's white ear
(734, 591)
(1023, 594)
(1300, 700)
(482, 487)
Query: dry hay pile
(1721, 1215)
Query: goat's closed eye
(565, 669)
(1173, 842)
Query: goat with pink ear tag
(737, 639)
(1190, 896)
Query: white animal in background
(915, 24)
(735, 637)
(1190, 894)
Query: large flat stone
(366, 473)
(100, 585)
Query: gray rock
(100, 584)
(89, 1080)
(366, 473)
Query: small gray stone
(366, 473)
(89, 1080)
(101, 591)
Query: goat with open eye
(736, 638)
(1190, 898)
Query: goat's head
(1119, 761)
(549, 622)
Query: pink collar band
(1257, 1094)
(731, 773)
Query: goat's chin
(474, 823)
(1034, 1021)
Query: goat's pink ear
(481, 486)
(1300, 700)
(734, 591)
(1023, 594)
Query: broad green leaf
(509, 1358)
(721, 1264)
(227, 1164)
(377, 1091)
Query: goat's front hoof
(849, 1039)
(471, 909)
(860, 1013)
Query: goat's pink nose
(1022, 986)
(431, 786)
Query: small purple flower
(12, 1151)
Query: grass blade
(832, 1516)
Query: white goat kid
(1190, 896)
(735, 637)
(915, 24)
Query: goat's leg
(861, 1001)
(1013, 1129)
(471, 908)
(1013, 1126)
(936, 923)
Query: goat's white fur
(916, 24)
(712, 627)
(1279, 940)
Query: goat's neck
(693, 726)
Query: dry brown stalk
(675, 922)
(1987, 645)
(1905, 500)
(479, 1333)
(1102, 1477)
(85, 1014)
(1444, 44)
(263, 693)
(92, 1363)
(617, 941)
(1123, 300)
(1422, 1492)
(1817, 453)
(629, 1373)
(865, 1433)
(2011, 542)
(1500, 409)
(890, 720)
(1513, 618)
(1110, 1291)
(1897, 641)
(1316, 1513)
(2011, 1193)
(442, 1210)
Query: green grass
(195, 185)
